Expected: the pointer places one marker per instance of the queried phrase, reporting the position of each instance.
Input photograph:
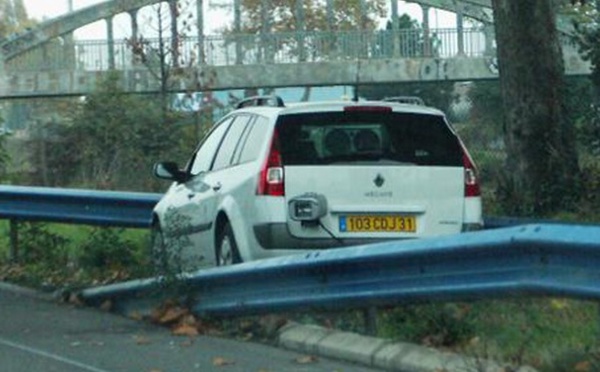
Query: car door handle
(191, 195)
(217, 186)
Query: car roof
(328, 106)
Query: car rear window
(367, 137)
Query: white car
(273, 179)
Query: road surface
(37, 334)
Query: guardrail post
(370, 315)
(14, 240)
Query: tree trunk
(542, 167)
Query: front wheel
(226, 250)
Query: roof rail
(411, 100)
(271, 100)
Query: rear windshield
(367, 137)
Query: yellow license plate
(384, 223)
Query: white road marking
(47, 355)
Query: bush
(39, 244)
(112, 252)
(53, 256)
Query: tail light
(270, 180)
(471, 180)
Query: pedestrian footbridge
(49, 61)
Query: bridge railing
(249, 49)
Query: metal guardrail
(114, 208)
(100, 208)
(531, 260)
(536, 259)
(92, 207)
(73, 206)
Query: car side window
(255, 139)
(231, 142)
(203, 158)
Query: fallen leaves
(170, 315)
(179, 319)
(141, 340)
(221, 362)
(584, 366)
(106, 306)
(306, 359)
(185, 330)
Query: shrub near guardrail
(55, 256)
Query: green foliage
(590, 184)
(53, 256)
(439, 95)
(550, 334)
(39, 244)
(574, 360)
(410, 41)
(4, 155)
(107, 248)
(585, 19)
(116, 136)
(282, 15)
(14, 17)
(432, 324)
(484, 135)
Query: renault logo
(379, 180)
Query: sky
(45, 9)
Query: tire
(227, 250)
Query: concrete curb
(24, 291)
(378, 353)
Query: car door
(222, 178)
(187, 217)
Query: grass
(53, 256)
(549, 334)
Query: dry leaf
(190, 319)
(584, 366)
(106, 305)
(74, 299)
(141, 340)
(185, 330)
(220, 362)
(306, 359)
(187, 343)
(136, 315)
(172, 315)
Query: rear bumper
(277, 236)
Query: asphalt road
(40, 335)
